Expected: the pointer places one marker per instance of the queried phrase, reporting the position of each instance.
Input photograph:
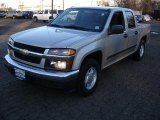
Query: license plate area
(20, 74)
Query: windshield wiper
(71, 27)
(55, 25)
(77, 27)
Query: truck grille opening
(27, 58)
(29, 47)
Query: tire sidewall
(139, 48)
(35, 19)
(85, 67)
(137, 55)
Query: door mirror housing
(116, 29)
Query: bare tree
(102, 3)
(147, 6)
(132, 4)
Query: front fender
(83, 52)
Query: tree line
(146, 6)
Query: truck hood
(51, 37)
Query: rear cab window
(130, 20)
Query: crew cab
(46, 15)
(76, 46)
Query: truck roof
(102, 8)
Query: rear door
(132, 29)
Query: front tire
(89, 76)
(139, 54)
(35, 19)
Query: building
(3, 6)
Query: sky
(68, 3)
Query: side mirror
(116, 29)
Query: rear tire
(88, 77)
(139, 54)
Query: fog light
(59, 64)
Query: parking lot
(128, 90)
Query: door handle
(125, 36)
(136, 32)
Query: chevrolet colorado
(76, 46)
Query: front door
(116, 43)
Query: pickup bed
(76, 46)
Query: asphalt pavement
(128, 90)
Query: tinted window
(60, 11)
(117, 19)
(130, 19)
(2, 11)
(46, 12)
(53, 12)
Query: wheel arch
(97, 55)
(144, 38)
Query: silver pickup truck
(74, 48)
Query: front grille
(29, 47)
(27, 58)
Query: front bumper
(56, 77)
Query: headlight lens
(62, 52)
(62, 60)
(59, 64)
(11, 42)
(62, 65)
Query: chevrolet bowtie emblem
(25, 52)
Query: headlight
(59, 64)
(62, 52)
(11, 42)
(63, 61)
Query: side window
(130, 19)
(118, 19)
(46, 12)
(54, 11)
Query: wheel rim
(90, 78)
(141, 50)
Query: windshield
(82, 19)
(2, 11)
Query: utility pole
(63, 4)
(42, 5)
(121, 3)
(52, 9)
